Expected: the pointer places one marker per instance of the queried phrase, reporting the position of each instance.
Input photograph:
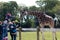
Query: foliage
(29, 22)
(56, 9)
(20, 8)
(33, 8)
(50, 6)
(8, 7)
(26, 24)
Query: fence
(35, 29)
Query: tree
(28, 22)
(1, 10)
(13, 7)
(50, 4)
(33, 8)
(10, 7)
(47, 4)
(56, 9)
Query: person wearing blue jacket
(5, 31)
(12, 28)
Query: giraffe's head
(24, 12)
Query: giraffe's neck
(34, 13)
(38, 14)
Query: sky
(25, 2)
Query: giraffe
(44, 20)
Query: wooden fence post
(20, 33)
(38, 32)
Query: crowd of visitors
(4, 25)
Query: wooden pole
(38, 33)
(20, 33)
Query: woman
(5, 31)
(12, 28)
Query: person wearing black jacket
(1, 31)
(12, 28)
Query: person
(1, 31)
(8, 16)
(12, 28)
(5, 31)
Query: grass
(32, 36)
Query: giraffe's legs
(53, 34)
(51, 25)
(42, 31)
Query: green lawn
(32, 36)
